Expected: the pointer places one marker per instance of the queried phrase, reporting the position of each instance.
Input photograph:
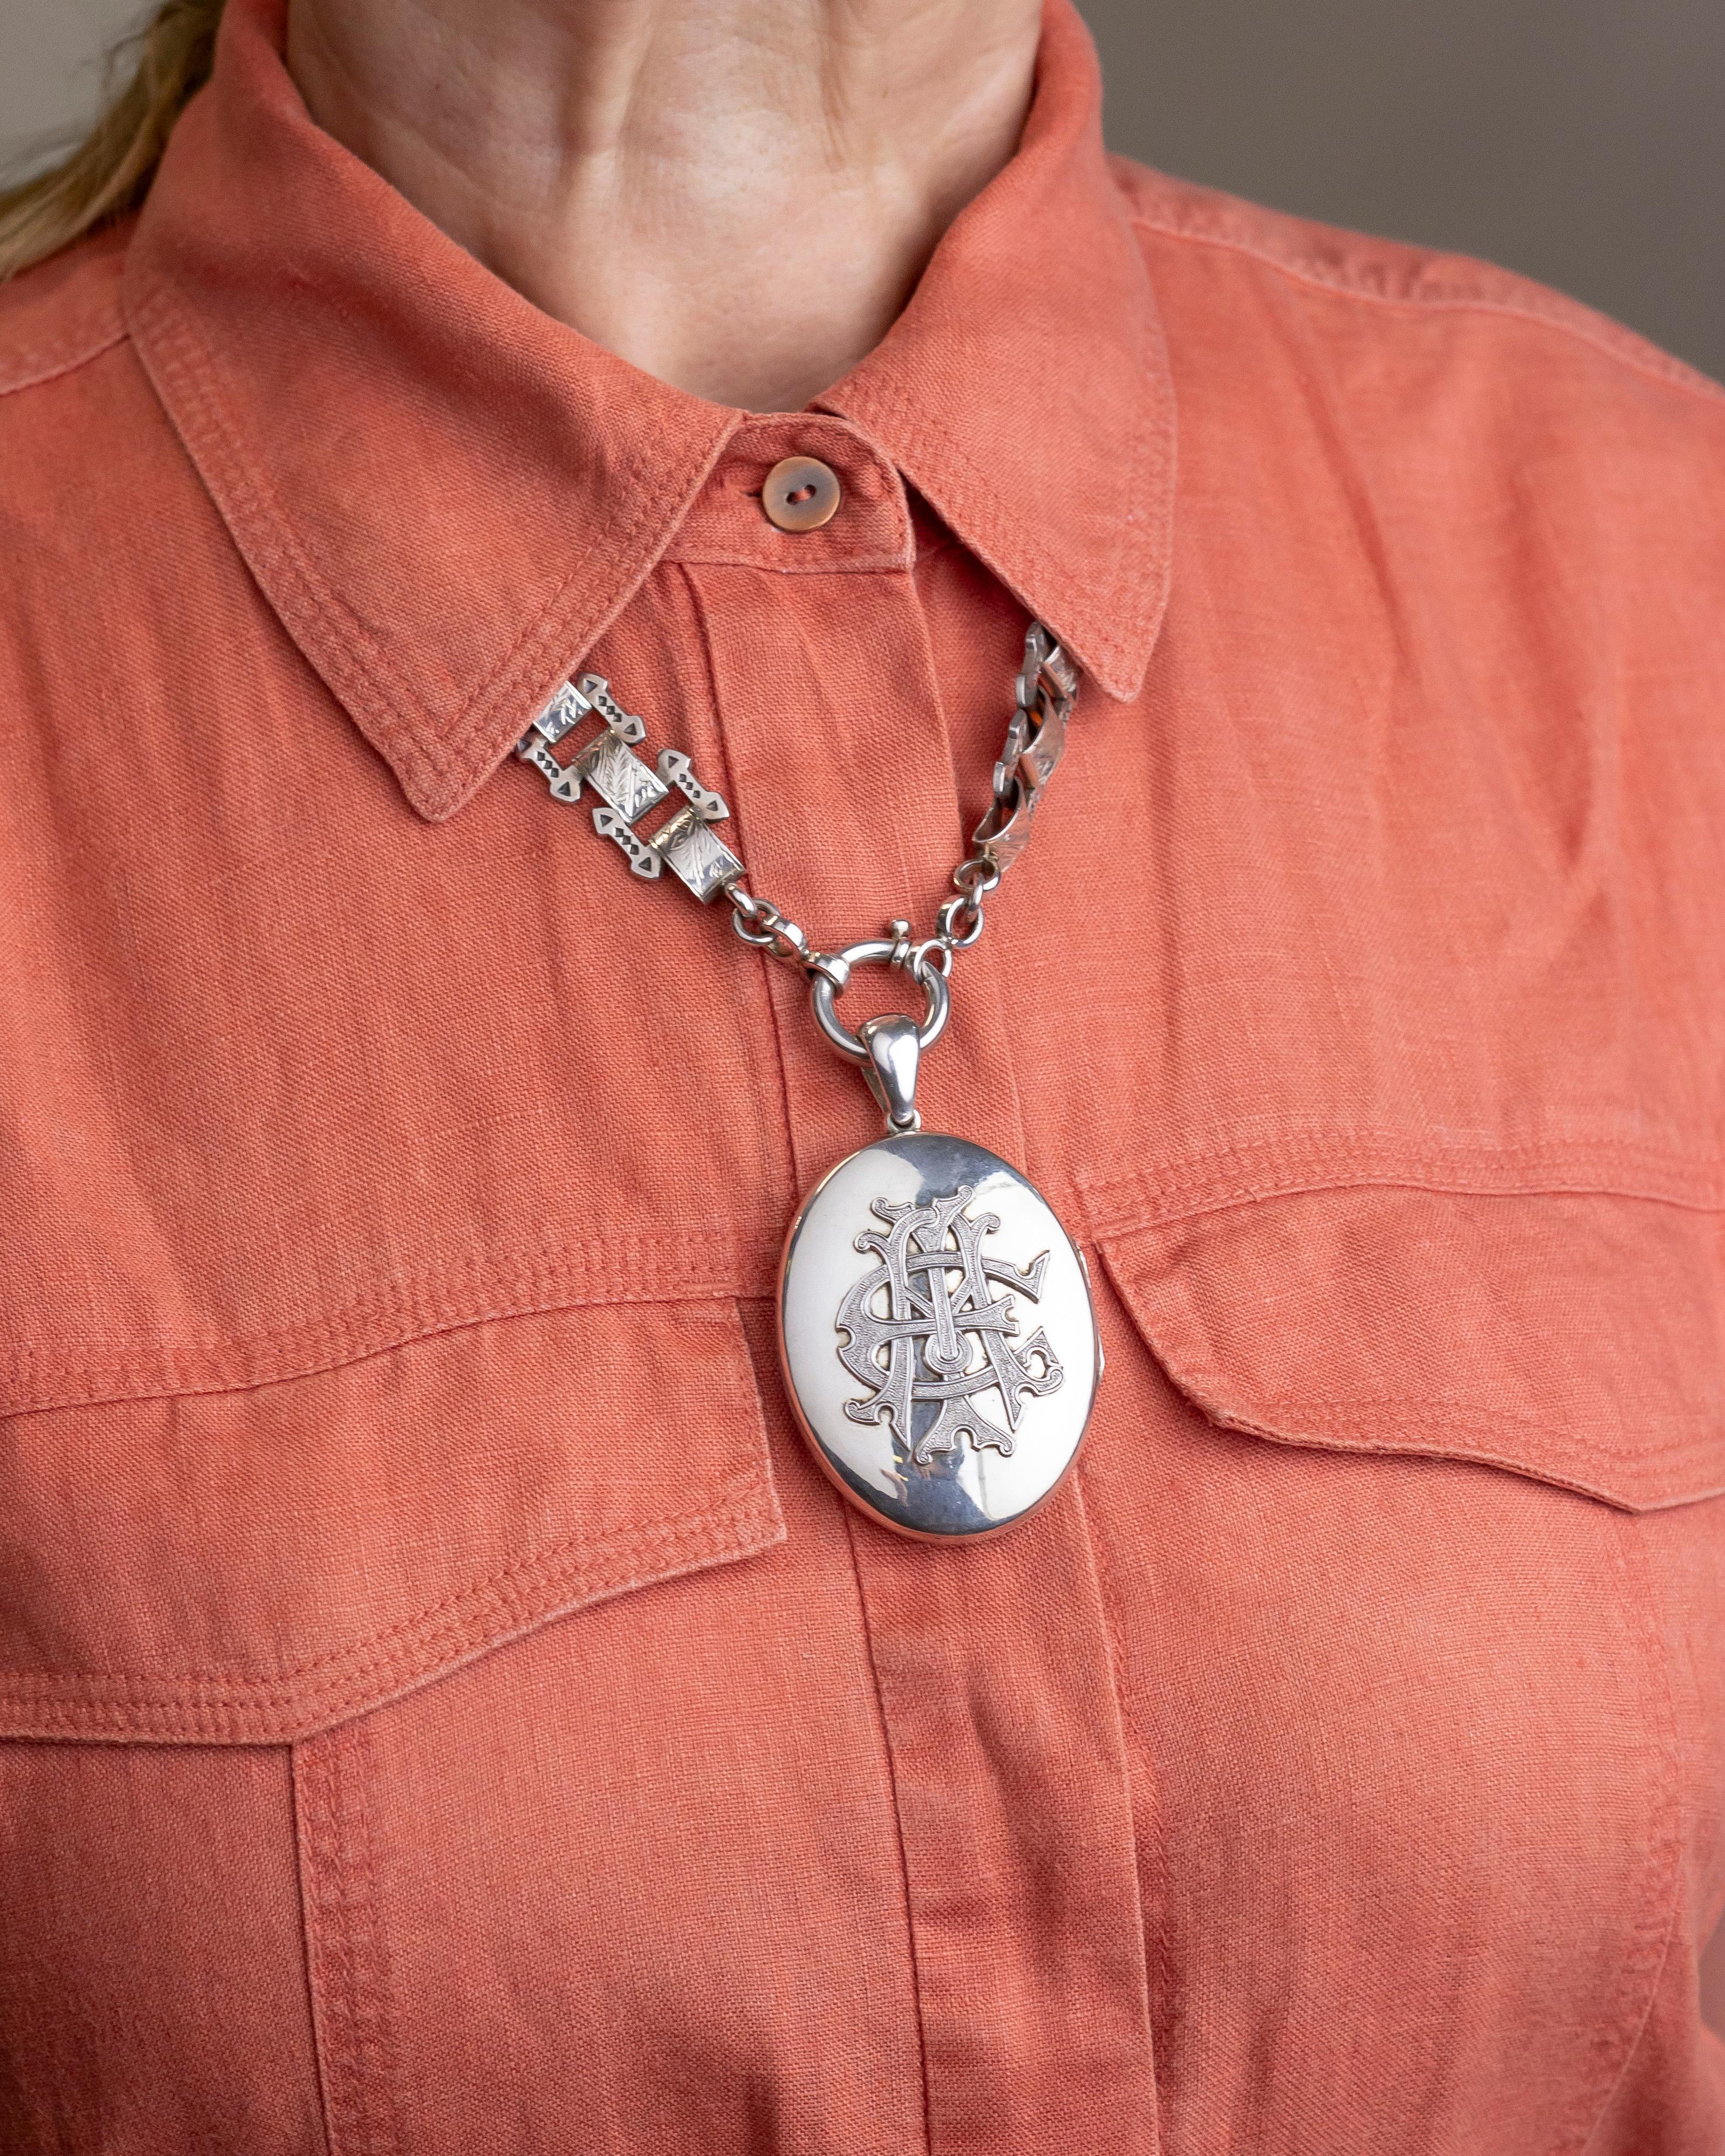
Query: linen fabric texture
(442, 1706)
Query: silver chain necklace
(923, 1268)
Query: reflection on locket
(937, 1335)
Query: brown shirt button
(801, 494)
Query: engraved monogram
(926, 1325)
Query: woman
(465, 1685)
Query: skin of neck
(736, 196)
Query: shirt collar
(447, 496)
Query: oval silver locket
(937, 1335)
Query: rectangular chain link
(1044, 691)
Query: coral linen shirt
(443, 1708)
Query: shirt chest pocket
(1410, 1516)
(1576, 1339)
(208, 1603)
(252, 1566)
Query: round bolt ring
(937, 997)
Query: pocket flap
(1579, 1339)
(249, 1566)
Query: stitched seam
(1043, 565)
(442, 753)
(1654, 1941)
(762, 975)
(180, 357)
(1136, 1734)
(1432, 1415)
(555, 622)
(1126, 1731)
(625, 1249)
(1655, 366)
(738, 1502)
(190, 1718)
(1633, 2045)
(50, 366)
(373, 1327)
(849, 565)
(355, 2052)
(764, 969)
(851, 1530)
(1395, 1142)
(1188, 1187)
(326, 1950)
(376, 2047)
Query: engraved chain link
(1044, 691)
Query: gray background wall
(1582, 141)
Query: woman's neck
(736, 195)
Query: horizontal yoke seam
(1196, 1203)
(1674, 375)
(464, 1296)
(1160, 1194)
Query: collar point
(1117, 668)
(437, 791)
(1121, 680)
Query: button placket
(996, 1694)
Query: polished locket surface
(937, 1335)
